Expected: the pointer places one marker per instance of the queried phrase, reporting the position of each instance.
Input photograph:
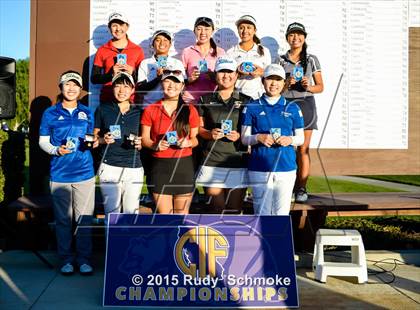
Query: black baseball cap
(204, 20)
(296, 27)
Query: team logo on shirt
(82, 115)
(286, 114)
(237, 104)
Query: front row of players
(228, 123)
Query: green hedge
(384, 232)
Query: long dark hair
(258, 42)
(182, 119)
(303, 57)
(214, 47)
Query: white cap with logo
(123, 74)
(246, 19)
(71, 76)
(161, 32)
(174, 68)
(274, 69)
(225, 63)
(117, 16)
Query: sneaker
(301, 195)
(248, 197)
(293, 199)
(85, 269)
(67, 269)
(196, 198)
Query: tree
(6, 142)
(22, 94)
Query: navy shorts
(308, 107)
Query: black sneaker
(301, 195)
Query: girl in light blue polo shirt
(66, 134)
(273, 127)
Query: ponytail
(303, 57)
(214, 47)
(182, 120)
(258, 42)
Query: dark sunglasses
(175, 72)
(206, 20)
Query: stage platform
(33, 215)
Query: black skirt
(173, 176)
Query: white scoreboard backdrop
(367, 41)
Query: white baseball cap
(161, 32)
(174, 69)
(125, 75)
(274, 69)
(225, 63)
(71, 76)
(117, 16)
(246, 19)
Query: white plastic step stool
(343, 237)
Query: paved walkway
(26, 283)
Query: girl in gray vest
(304, 79)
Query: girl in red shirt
(169, 128)
(117, 55)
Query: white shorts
(121, 188)
(222, 177)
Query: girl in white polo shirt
(251, 57)
(151, 69)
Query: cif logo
(198, 251)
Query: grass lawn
(319, 185)
(316, 184)
(404, 179)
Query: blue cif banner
(192, 261)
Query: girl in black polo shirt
(223, 172)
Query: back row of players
(233, 101)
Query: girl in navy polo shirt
(304, 79)
(63, 131)
(117, 125)
(273, 127)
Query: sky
(14, 28)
